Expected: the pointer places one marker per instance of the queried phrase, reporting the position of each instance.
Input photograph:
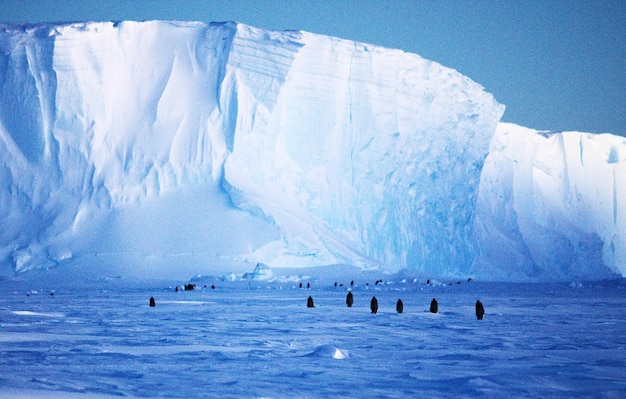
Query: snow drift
(177, 147)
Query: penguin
(309, 302)
(399, 306)
(152, 303)
(480, 310)
(434, 306)
(374, 305)
(349, 299)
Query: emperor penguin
(434, 306)
(480, 310)
(374, 305)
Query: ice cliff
(168, 147)
(551, 205)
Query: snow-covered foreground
(256, 339)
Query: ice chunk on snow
(340, 354)
(261, 272)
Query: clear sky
(556, 65)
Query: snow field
(256, 339)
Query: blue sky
(556, 65)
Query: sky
(556, 65)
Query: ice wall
(94, 116)
(343, 152)
(365, 156)
(552, 206)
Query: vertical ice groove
(581, 150)
(219, 38)
(567, 197)
(352, 174)
(615, 201)
(39, 56)
(20, 109)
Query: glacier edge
(138, 145)
(550, 206)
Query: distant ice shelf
(552, 206)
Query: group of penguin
(434, 306)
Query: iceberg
(167, 148)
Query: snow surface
(100, 339)
(160, 149)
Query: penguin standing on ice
(399, 306)
(434, 306)
(374, 305)
(152, 302)
(309, 302)
(480, 310)
(349, 299)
